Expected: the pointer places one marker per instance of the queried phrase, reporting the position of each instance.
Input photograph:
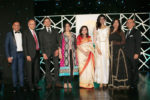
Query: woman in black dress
(118, 67)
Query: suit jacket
(49, 41)
(29, 44)
(133, 43)
(10, 45)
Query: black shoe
(131, 87)
(58, 85)
(38, 88)
(49, 86)
(22, 89)
(32, 89)
(14, 90)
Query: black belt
(19, 51)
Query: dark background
(23, 10)
(61, 7)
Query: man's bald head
(130, 23)
(31, 24)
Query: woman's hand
(99, 51)
(60, 56)
(86, 53)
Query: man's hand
(56, 53)
(136, 56)
(28, 58)
(45, 56)
(9, 59)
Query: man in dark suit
(132, 51)
(14, 54)
(31, 50)
(49, 46)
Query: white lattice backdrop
(142, 23)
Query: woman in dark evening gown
(118, 68)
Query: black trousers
(49, 77)
(69, 78)
(33, 69)
(133, 73)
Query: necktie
(36, 41)
(49, 30)
(128, 33)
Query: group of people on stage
(109, 60)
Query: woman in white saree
(85, 54)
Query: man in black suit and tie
(132, 51)
(31, 50)
(49, 38)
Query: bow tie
(17, 32)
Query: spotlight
(98, 2)
(122, 1)
(79, 3)
(44, 10)
(89, 3)
(58, 3)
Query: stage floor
(142, 93)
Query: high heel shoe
(70, 86)
(65, 85)
(101, 86)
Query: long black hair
(81, 34)
(119, 27)
(64, 26)
(98, 24)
